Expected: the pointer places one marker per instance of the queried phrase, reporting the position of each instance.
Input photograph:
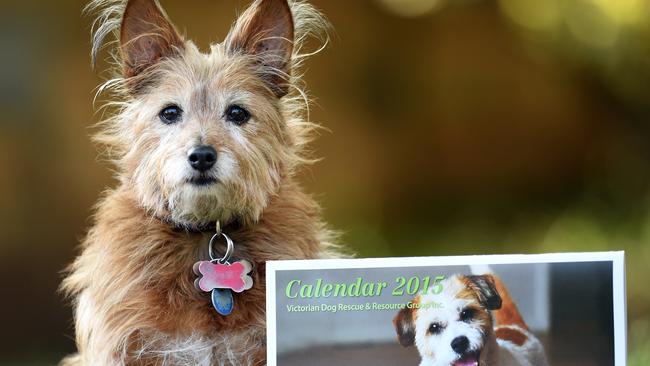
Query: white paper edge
(620, 309)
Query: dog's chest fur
(136, 300)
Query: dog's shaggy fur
(132, 285)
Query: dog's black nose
(460, 344)
(202, 158)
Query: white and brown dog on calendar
(473, 321)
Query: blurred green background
(457, 127)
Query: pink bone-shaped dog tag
(216, 275)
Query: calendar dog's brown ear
(405, 327)
(486, 290)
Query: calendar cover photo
(551, 309)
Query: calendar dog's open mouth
(471, 359)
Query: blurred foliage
(639, 336)
(458, 127)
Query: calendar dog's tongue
(470, 360)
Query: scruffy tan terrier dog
(198, 139)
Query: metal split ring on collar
(230, 247)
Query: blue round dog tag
(222, 301)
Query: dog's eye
(171, 114)
(237, 115)
(467, 314)
(435, 328)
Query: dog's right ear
(266, 31)
(405, 327)
(146, 36)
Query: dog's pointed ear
(266, 31)
(405, 327)
(146, 36)
(485, 288)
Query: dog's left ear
(405, 327)
(487, 293)
(266, 31)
